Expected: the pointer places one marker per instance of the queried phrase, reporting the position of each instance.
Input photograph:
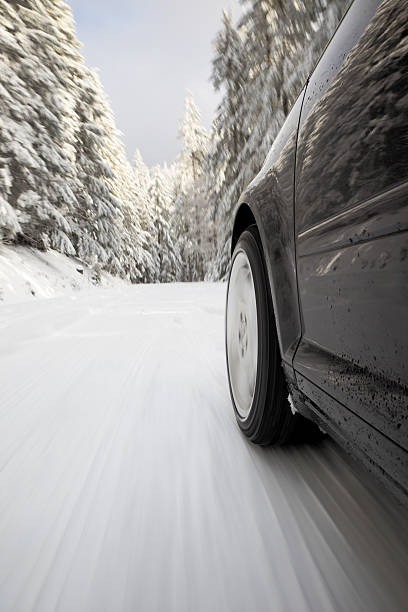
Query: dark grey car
(317, 305)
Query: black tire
(270, 419)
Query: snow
(28, 274)
(125, 483)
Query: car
(317, 301)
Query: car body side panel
(358, 286)
(270, 198)
(352, 221)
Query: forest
(65, 181)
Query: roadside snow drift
(26, 274)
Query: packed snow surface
(125, 483)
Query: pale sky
(148, 54)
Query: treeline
(65, 182)
(259, 67)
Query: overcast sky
(148, 54)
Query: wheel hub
(242, 334)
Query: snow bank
(27, 274)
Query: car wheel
(256, 379)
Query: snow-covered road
(126, 485)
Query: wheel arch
(276, 237)
(243, 219)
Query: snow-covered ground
(28, 274)
(126, 485)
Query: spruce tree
(228, 136)
(191, 218)
(65, 182)
(33, 151)
(164, 252)
(141, 175)
(275, 45)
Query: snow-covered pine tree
(283, 41)
(278, 48)
(65, 182)
(142, 172)
(164, 252)
(191, 219)
(111, 232)
(37, 176)
(12, 96)
(181, 220)
(228, 135)
(142, 180)
(128, 239)
(97, 220)
(280, 42)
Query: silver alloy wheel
(242, 334)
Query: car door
(351, 219)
